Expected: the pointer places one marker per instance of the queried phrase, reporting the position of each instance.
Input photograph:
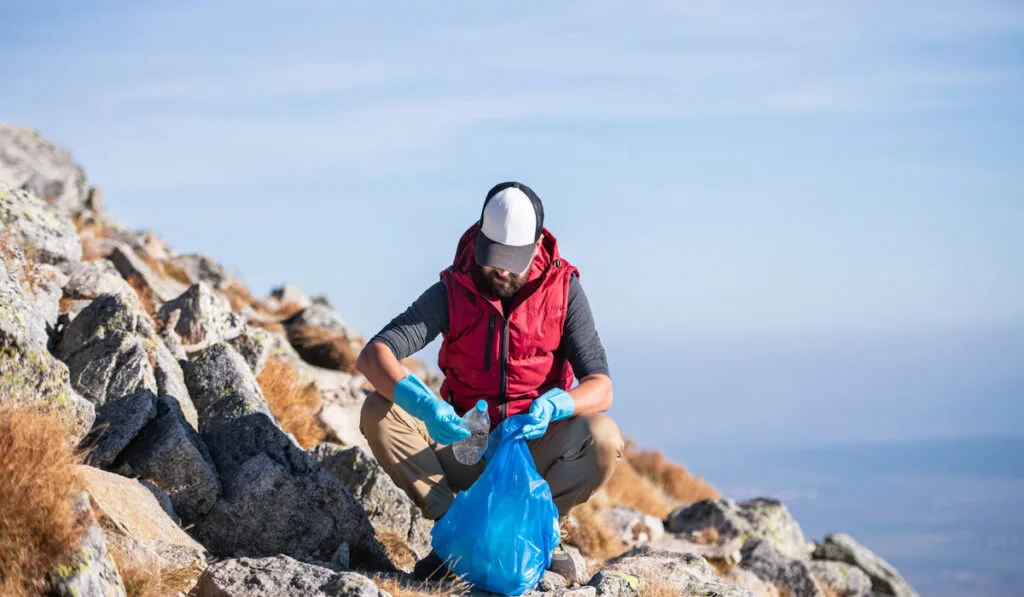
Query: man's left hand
(554, 405)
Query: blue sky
(714, 170)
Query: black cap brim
(509, 258)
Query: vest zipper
(490, 342)
(504, 357)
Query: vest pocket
(490, 341)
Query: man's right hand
(443, 424)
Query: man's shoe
(432, 567)
(567, 561)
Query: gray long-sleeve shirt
(427, 317)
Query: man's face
(500, 283)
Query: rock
(317, 315)
(885, 580)
(92, 571)
(280, 576)
(747, 579)
(552, 581)
(29, 161)
(276, 498)
(844, 579)
(162, 498)
(255, 345)
(170, 452)
(90, 279)
(137, 526)
(573, 567)
(203, 316)
(39, 229)
(726, 553)
(128, 263)
(761, 558)
(387, 506)
(686, 573)
(29, 375)
(114, 374)
(760, 517)
(200, 268)
(342, 424)
(170, 382)
(612, 583)
(287, 295)
(632, 526)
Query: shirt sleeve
(418, 325)
(582, 345)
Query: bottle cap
(481, 405)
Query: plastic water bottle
(469, 450)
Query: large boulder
(256, 346)
(170, 453)
(321, 316)
(276, 498)
(387, 506)
(758, 517)
(29, 375)
(845, 580)
(90, 279)
(885, 580)
(200, 268)
(761, 558)
(43, 232)
(91, 570)
(29, 161)
(108, 348)
(280, 576)
(686, 573)
(201, 316)
(136, 525)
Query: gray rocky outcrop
(759, 517)
(256, 346)
(387, 506)
(171, 453)
(762, 558)
(130, 264)
(29, 375)
(276, 498)
(280, 576)
(91, 570)
(201, 316)
(45, 234)
(885, 580)
(90, 279)
(844, 579)
(200, 268)
(30, 161)
(321, 316)
(687, 573)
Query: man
(517, 331)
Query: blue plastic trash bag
(498, 534)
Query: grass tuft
(673, 479)
(38, 480)
(295, 404)
(323, 348)
(406, 586)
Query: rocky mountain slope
(164, 432)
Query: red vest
(507, 359)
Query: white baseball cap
(510, 224)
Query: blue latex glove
(553, 405)
(443, 425)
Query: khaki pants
(575, 456)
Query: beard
(502, 287)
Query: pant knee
(607, 438)
(374, 409)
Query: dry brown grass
(295, 404)
(628, 488)
(239, 296)
(148, 579)
(828, 591)
(274, 327)
(286, 310)
(143, 291)
(591, 533)
(323, 348)
(405, 586)
(38, 524)
(18, 258)
(674, 479)
(397, 548)
(656, 587)
(89, 231)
